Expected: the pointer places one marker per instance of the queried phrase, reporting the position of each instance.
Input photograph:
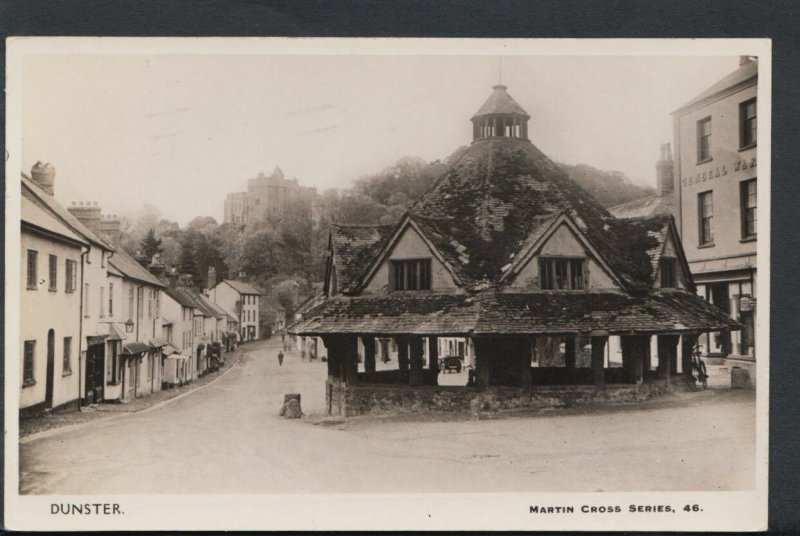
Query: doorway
(95, 376)
(719, 342)
(51, 365)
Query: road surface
(228, 438)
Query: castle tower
(500, 117)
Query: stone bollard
(740, 378)
(291, 406)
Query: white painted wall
(43, 310)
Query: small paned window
(412, 274)
(749, 202)
(705, 208)
(130, 302)
(53, 275)
(668, 269)
(102, 302)
(71, 276)
(748, 124)
(33, 271)
(28, 358)
(86, 299)
(111, 299)
(557, 273)
(67, 355)
(704, 139)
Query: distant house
(49, 331)
(242, 298)
(178, 308)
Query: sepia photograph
(413, 283)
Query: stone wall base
(385, 399)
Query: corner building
(716, 137)
(508, 252)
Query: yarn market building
(510, 254)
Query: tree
(151, 245)
(260, 256)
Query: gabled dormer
(558, 256)
(670, 267)
(409, 261)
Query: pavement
(229, 438)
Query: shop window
(33, 269)
(412, 274)
(557, 273)
(705, 209)
(112, 365)
(28, 358)
(67, 369)
(748, 194)
(704, 139)
(748, 124)
(53, 275)
(669, 273)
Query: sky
(182, 131)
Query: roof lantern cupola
(500, 117)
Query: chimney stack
(665, 171)
(157, 266)
(111, 229)
(212, 278)
(44, 175)
(89, 214)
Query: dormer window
(410, 274)
(669, 272)
(561, 273)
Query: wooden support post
(416, 351)
(569, 351)
(350, 359)
(333, 345)
(402, 353)
(369, 356)
(598, 360)
(433, 353)
(667, 355)
(688, 342)
(634, 348)
(525, 364)
(482, 356)
(433, 360)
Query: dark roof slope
(500, 102)
(353, 248)
(128, 266)
(241, 287)
(645, 207)
(498, 312)
(65, 215)
(180, 296)
(499, 192)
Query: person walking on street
(280, 358)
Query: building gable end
(410, 238)
(547, 244)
